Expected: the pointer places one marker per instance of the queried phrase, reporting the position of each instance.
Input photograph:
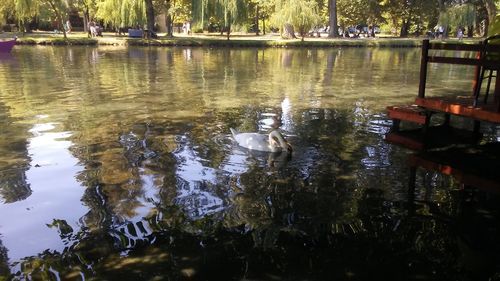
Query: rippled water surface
(118, 164)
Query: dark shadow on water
(181, 201)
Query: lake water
(118, 164)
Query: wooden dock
(474, 166)
(480, 105)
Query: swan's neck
(276, 136)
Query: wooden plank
(455, 47)
(411, 113)
(449, 60)
(464, 47)
(432, 137)
(465, 177)
(423, 68)
(474, 166)
(461, 106)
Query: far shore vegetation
(282, 23)
(215, 40)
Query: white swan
(275, 142)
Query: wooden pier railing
(487, 59)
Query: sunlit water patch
(118, 163)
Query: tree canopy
(402, 18)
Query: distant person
(440, 31)
(68, 26)
(92, 31)
(460, 33)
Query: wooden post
(496, 94)
(476, 127)
(423, 68)
(479, 74)
(411, 190)
(446, 120)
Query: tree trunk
(288, 31)
(404, 29)
(168, 25)
(470, 31)
(264, 26)
(150, 17)
(228, 30)
(257, 20)
(168, 20)
(334, 31)
(59, 18)
(86, 19)
(492, 12)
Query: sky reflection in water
(117, 161)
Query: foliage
(122, 13)
(180, 11)
(462, 15)
(404, 16)
(223, 12)
(356, 12)
(6, 10)
(26, 9)
(302, 14)
(411, 15)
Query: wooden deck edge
(455, 108)
(405, 141)
(411, 113)
(464, 177)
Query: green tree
(88, 8)
(27, 9)
(227, 12)
(300, 14)
(492, 7)
(175, 11)
(463, 15)
(122, 13)
(6, 10)
(59, 8)
(265, 9)
(411, 15)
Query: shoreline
(204, 40)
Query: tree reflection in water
(171, 197)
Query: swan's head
(278, 142)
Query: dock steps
(411, 113)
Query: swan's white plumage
(274, 142)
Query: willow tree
(27, 9)
(6, 10)
(463, 16)
(87, 7)
(59, 7)
(299, 14)
(491, 7)
(229, 12)
(120, 13)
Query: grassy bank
(203, 40)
